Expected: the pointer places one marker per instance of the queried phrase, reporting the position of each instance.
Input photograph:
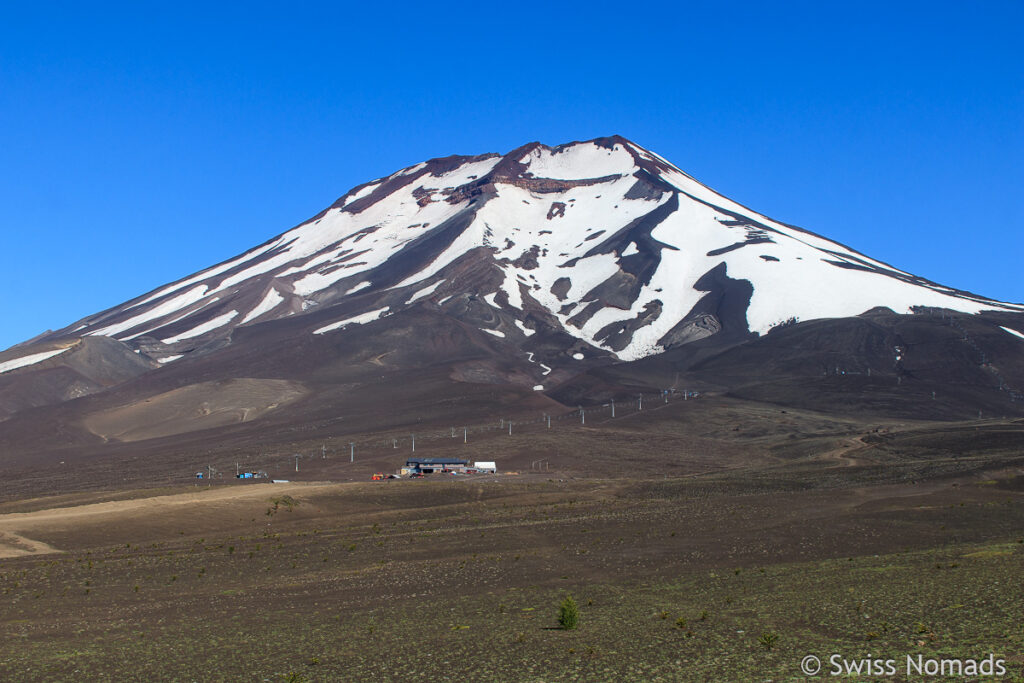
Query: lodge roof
(435, 461)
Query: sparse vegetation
(568, 614)
(276, 503)
(671, 597)
(768, 639)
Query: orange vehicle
(380, 476)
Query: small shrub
(286, 501)
(768, 640)
(568, 614)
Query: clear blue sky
(140, 143)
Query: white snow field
(208, 326)
(25, 361)
(360, 319)
(269, 303)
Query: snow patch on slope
(360, 319)
(25, 361)
(581, 161)
(425, 292)
(269, 303)
(363, 192)
(168, 307)
(314, 282)
(391, 219)
(1015, 333)
(208, 273)
(167, 323)
(511, 288)
(208, 326)
(526, 330)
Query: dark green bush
(568, 614)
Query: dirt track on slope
(14, 525)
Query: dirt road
(14, 526)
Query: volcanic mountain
(573, 272)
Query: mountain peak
(600, 244)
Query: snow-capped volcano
(547, 277)
(602, 240)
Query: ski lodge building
(431, 465)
